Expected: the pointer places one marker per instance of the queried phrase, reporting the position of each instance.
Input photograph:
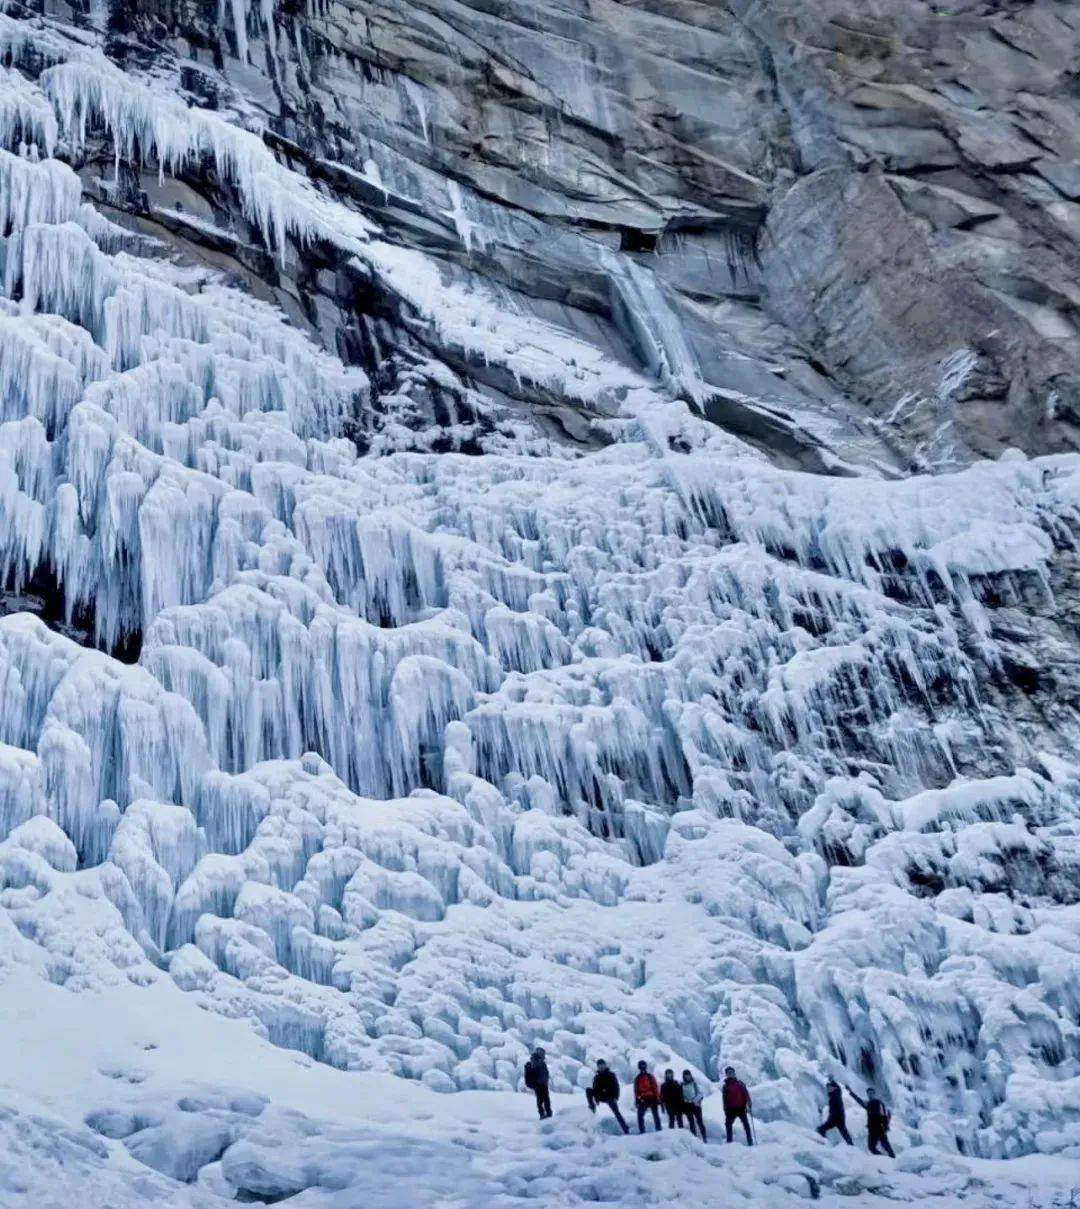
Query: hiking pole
(753, 1127)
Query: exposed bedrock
(848, 230)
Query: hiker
(672, 1099)
(605, 1090)
(835, 1117)
(878, 1121)
(736, 1105)
(537, 1080)
(646, 1096)
(692, 1098)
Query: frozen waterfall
(638, 745)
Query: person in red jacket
(646, 1096)
(736, 1105)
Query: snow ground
(652, 750)
(123, 1103)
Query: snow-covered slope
(348, 755)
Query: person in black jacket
(877, 1121)
(835, 1116)
(672, 1099)
(605, 1090)
(537, 1080)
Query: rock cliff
(848, 231)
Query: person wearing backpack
(878, 1120)
(736, 1105)
(605, 1090)
(537, 1080)
(835, 1116)
(692, 1098)
(672, 1099)
(646, 1096)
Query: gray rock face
(850, 229)
(957, 238)
(927, 349)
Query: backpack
(530, 1076)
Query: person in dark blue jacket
(671, 1098)
(835, 1116)
(878, 1121)
(605, 1090)
(537, 1080)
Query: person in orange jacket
(646, 1096)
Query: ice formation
(643, 747)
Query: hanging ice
(426, 755)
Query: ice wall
(650, 748)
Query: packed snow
(639, 749)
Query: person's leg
(691, 1119)
(746, 1126)
(842, 1126)
(656, 1117)
(641, 1118)
(590, 1099)
(872, 1141)
(888, 1146)
(670, 1117)
(700, 1122)
(679, 1113)
(824, 1129)
(547, 1101)
(729, 1120)
(618, 1116)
